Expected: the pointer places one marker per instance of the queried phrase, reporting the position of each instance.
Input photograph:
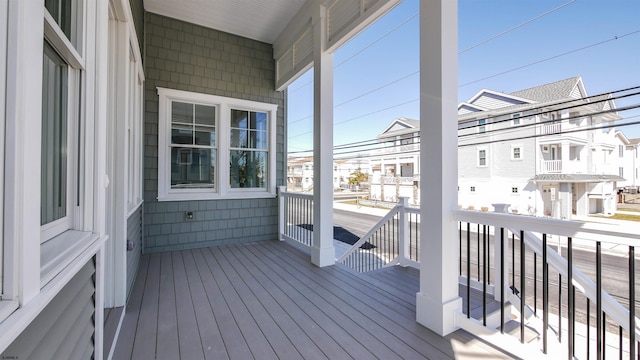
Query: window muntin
(193, 145)
(515, 119)
(516, 153)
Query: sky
(504, 45)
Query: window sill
(60, 251)
(231, 195)
(134, 207)
(7, 307)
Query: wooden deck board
(265, 300)
(188, 332)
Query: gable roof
(563, 89)
(400, 126)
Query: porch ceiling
(262, 20)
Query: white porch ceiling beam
(344, 19)
(438, 302)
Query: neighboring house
(300, 172)
(395, 167)
(523, 149)
(628, 162)
(512, 150)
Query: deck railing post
(281, 212)
(403, 231)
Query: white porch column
(438, 300)
(322, 251)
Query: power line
(550, 58)
(516, 27)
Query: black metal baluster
(632, 303)
(468, 270)
(478, 252)
(572, 315)
(460, 246)
(501, 280)
(488, 230)
(545, 293)
(620, 340)
(588, 327)
(522, 285)
(513, 263)
(599, 339)
(535, 284)
(604, 335)
(559, 307)
(484, 275)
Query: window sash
(55, 171)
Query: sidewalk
(360, 209)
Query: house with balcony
(550, 150)
(395, 165)
(628, 162)
(142, 149)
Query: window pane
(205, 115)
(259, 121)
(238, 138)
(258, 139)
(239, 119)
(181, 113)
(204, 135)
(192, 168)
(53, 183)
(248, 169)
(181, 134)
(67, 14)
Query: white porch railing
(551, 166)
(295, 218)
(566, 306)
(548, 129)
(392, 241)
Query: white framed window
(514, 190)
(62, 69)
(621, 151)
(134, 133)
(621, 171)
(482, 157)
(482, 125)
(198, 134)
(516, 152)
(515, 119)
(472, 189)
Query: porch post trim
(438, 302)
(322, 252)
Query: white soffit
(261, 20)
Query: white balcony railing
(548, 129)
(551, 166)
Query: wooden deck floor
(266, 301)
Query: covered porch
(266, 300)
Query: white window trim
(515, 146)
(222, 188)
(486, 157)
(517, 117)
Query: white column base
(437, 317)
(322, 257)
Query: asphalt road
(614, 269)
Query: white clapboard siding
(134, 233)
(65, 328)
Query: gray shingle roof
(579, 178)
(549, 92)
